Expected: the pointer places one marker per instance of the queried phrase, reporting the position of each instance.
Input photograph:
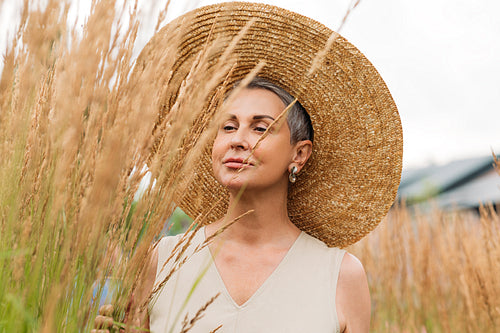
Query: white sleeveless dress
(299, 296)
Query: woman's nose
(240, 139)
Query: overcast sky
(439, 58)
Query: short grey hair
(298, 119)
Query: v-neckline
(259, 290)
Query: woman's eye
(228, 128)
(260, 129)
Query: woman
(301, 189)
(249, 268)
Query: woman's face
(248, 117)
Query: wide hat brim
(351, 179)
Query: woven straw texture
(351, 180)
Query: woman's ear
(302, 152)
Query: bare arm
(353, 297)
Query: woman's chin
(235, 184)
(235, 181)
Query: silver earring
(292, 177)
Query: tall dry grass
(80, 127)
(434, 272)
(75, 135)
(76, 126)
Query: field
(80, 131)
(434, 272)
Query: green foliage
(178, 222)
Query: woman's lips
(237, 163)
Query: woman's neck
(268, 221)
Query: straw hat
(351, 179)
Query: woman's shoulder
(351, 266)
(184, 242)
(318, 246)
(348, 268)
(353, 295)
(169, 241)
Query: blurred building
(462, 184)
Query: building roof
(483, 189)
(462, 183)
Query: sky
(439, 58)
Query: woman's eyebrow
(262, 117)
(256, 117)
